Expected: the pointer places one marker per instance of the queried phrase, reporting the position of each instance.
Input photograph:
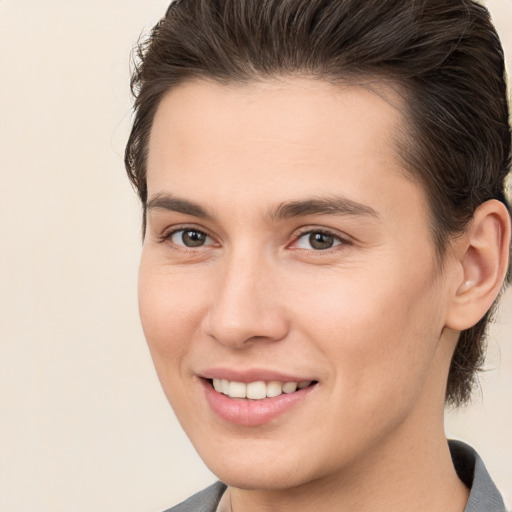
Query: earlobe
(482, 254)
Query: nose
(247, 306)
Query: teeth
(274, 389)
(289, 387)
(237, 390)
(257, 390)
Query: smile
(256, 402)
(257, 390)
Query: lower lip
(247, 412)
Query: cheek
(170, 311)
(381, 339)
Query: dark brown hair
(443, 55)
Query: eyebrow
(175, 204)
(332, 205)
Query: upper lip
(251, 375)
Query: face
(288, 260)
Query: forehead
(270, 141)
(300, 113)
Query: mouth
(255, 403)
(258, 390)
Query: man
(325, 235)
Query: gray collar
(484, 497)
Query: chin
(261, 469)
(259, 478)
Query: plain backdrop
(84, 425)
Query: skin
(372, 319)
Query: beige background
(84, 425)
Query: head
(322, 186)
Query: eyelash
(338, 240)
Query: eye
(190, 238)
(317, 240)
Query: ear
(482, 253)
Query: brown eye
(321, 241)
(190, 238)
(317, 241)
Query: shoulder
(484, 496)
(205, 501)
